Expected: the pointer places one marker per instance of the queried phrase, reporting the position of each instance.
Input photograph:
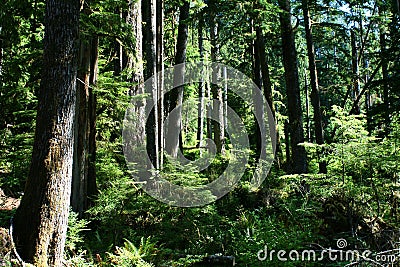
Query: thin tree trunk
(308, 124)
(267, 85)
(160, 78)
(81, 156)
(315, 100)
(299, 157)
(118, 60)
(200, 117)
(259, 129)
(209, 110)
(150, 51)
(287, 145)
(40, 223)
(356, 79)
(176, 96)
(92, 107)
(385, 77)
(218, 127)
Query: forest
(199, 133)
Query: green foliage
(75, 238)
(130, 255)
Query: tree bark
(81, 155)
(134, 142)
(92, 190)
(356, 79)
(218, 127)
(267, 86)
(176, 95)
(118, 60)
(258, 104)
(308, 124)
(385, 77)
(299, 157)
(40, 223)
(150, 55)
(315, 99)
(200, 117)
(160, 78)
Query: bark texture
(298, 162)
(315, 99)
(176, 95)
(40, 222)
(218, 127)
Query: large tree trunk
(315, 100)
(40, 223)
(176, 96)
(150, 55)
(299, 157)
(135, 142)
(218, 127)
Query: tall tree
(218, 127)
(200, 119)
(160, 78)
(149, 12)
(315, 100)
(84, 186)
(267, 88)
(40, 223)
(356, 72)
(176, 96)
(290, 63)
(260, 127)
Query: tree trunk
(299, 157)
(200, 117)
(81, 156)
(385, 77)
(118, 60)
(308, 123)
(267, 85)
(258, 104)
(150, 55)
(92, 107)
(137, 121)
(40, 223)
(356, 79)
(160, 78)
(315, 100)
(176, 95)
(218, 127)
